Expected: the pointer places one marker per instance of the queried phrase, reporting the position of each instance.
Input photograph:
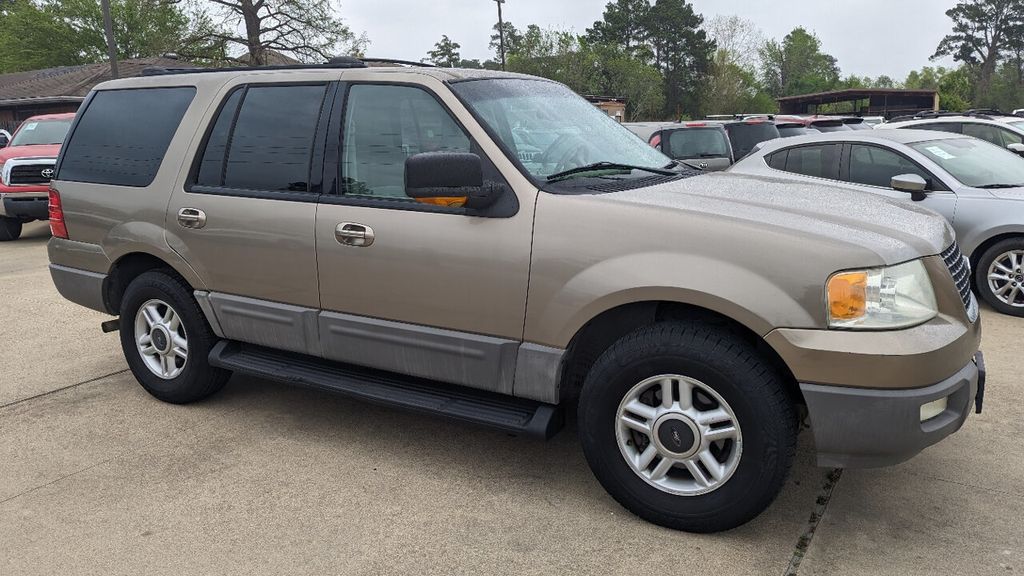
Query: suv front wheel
(685, 425)
(167, 341)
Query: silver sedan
(977, 186)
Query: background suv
(701, 145)
(377, 232)
(1003, 131)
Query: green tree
(513, 39)
(624, 24)
(53, 33)
(732, 85)
(445, 53)
(682, 51)
(797, 65)
(307, 30)
(983, 32)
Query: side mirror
(1017, 148)
(448, 179)
(910, 183)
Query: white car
(978, 187)
(1003, 131)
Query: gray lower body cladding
(80, 286)
(865, 428)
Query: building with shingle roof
(62, 89)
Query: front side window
(384, 125)
(550, 129)
(817, 161)
(876, 166)
(263, 139)
(974, 163)
(985, 132)
(1010, 137)
(123, 135)
(35, 132)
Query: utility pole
(501, 33)
(108, 24)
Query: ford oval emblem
(47, 173)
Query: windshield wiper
(603, 165)
(1000, 186)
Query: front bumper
(865, 428)
(25, 205)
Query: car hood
(895, 231)
(39, 150)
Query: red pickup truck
(26, 167)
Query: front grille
(26, 174)
(960, 269)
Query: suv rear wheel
(687, 427)
(1000, 276)
(10, 228)
(167, 341)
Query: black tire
(733, 369)
(197, 379)
(10, 229)
(981, 277)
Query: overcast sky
(868, 37)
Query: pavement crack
(820, 505)
(61, 389)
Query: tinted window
(122, 136)
(697, 143)
(788, 131)
(1010, 137)
(938, 127)
(876, 166)
(42, 132)
(778, 160)
(745, 136)
(831, 127)
(983, 131)
(818, 161)
(384, 125)
(272, 142)
(211, 168)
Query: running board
(508, 413)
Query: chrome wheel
(1006, 278)
(679, 435)
(161, 339)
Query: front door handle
(191, 218)
(353, 234)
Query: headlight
(881, 298)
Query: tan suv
(492, 248)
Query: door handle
(353, 234)
(191, 218)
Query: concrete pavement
(97, 477)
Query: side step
(516, 415)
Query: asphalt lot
(97, 477)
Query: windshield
(42, 132)
(744, 136)
(975, 163)
(693, 143)
(1016, 124)
(551, 129)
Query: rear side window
(744, 136)
(262, 139)
(817, 161)
(938, 127)
(123, 135)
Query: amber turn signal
(847, 295)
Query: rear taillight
(57, 227)
(656, 140)
(696, 124)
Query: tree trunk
(257, 53)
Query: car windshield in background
(790, 130)
(745, 135)
(42, 132)
(550, 129)
(837, 126)
(975, 163)
(1017, 124)
(692, 143)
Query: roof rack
(341, 62)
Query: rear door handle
(354, 234)
(191, 218)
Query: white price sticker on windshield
(940, 152)
(30, 126)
